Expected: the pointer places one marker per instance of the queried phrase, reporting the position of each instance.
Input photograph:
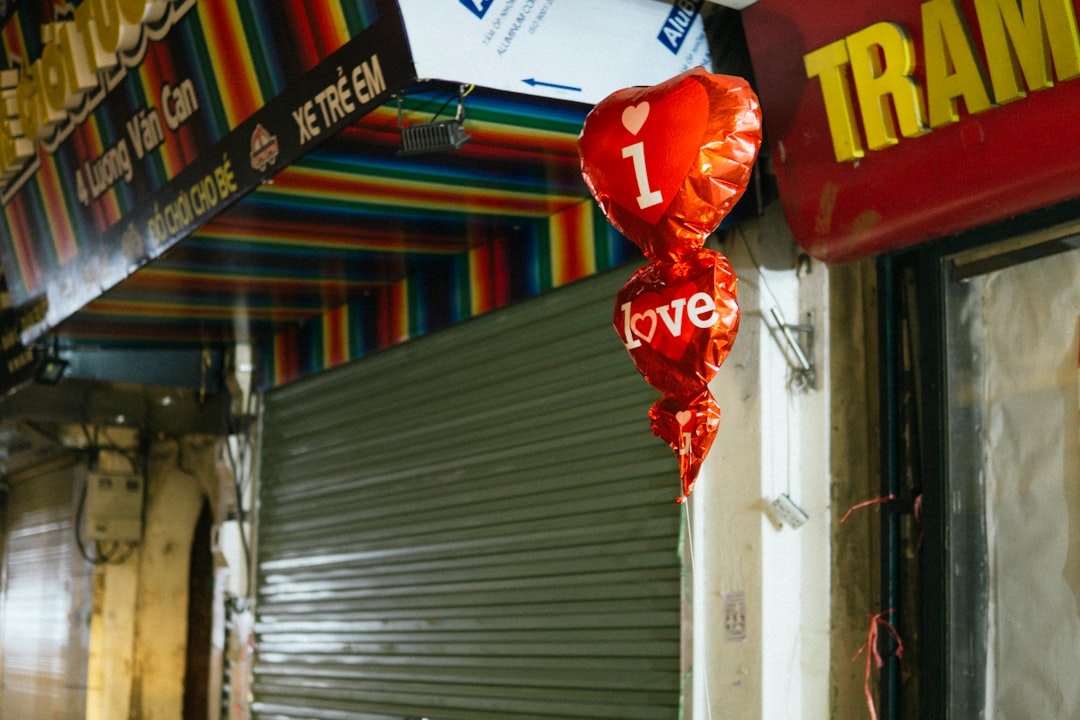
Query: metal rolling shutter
(46, 603)
(474, 525)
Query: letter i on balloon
(666, 164)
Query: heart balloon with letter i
(666, 164)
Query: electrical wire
(238, 463)
(460, 96)
(757, 266)
(78, 529)
(801, 363)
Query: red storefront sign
(891, 124)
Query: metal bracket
(799, 351)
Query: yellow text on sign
(870, 74)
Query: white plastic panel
(566, 49)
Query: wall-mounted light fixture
(435, 135)
(51, 367)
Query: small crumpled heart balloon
(679, 320)
(667, 163)
(689, 425)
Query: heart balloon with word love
(666, 164)
(679, 320)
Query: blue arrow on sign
(534, 83)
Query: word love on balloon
(701, 310)
(679, 320)
(666, 163)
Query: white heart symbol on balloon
(646, 335)
(634, 117)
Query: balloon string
(866, 503)
(685, 501)
(872, 651)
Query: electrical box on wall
(114, 505)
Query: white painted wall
(773, 440)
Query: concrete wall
(139, 624)
(854, 469)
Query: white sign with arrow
(579, 50)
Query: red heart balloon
(689, 425)
(666, 163)
(640, 157)
(679, 320)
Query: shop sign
(132, 122)
(895, 125)
(17, 362)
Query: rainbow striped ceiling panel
(353, 248)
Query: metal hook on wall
(799, 350)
